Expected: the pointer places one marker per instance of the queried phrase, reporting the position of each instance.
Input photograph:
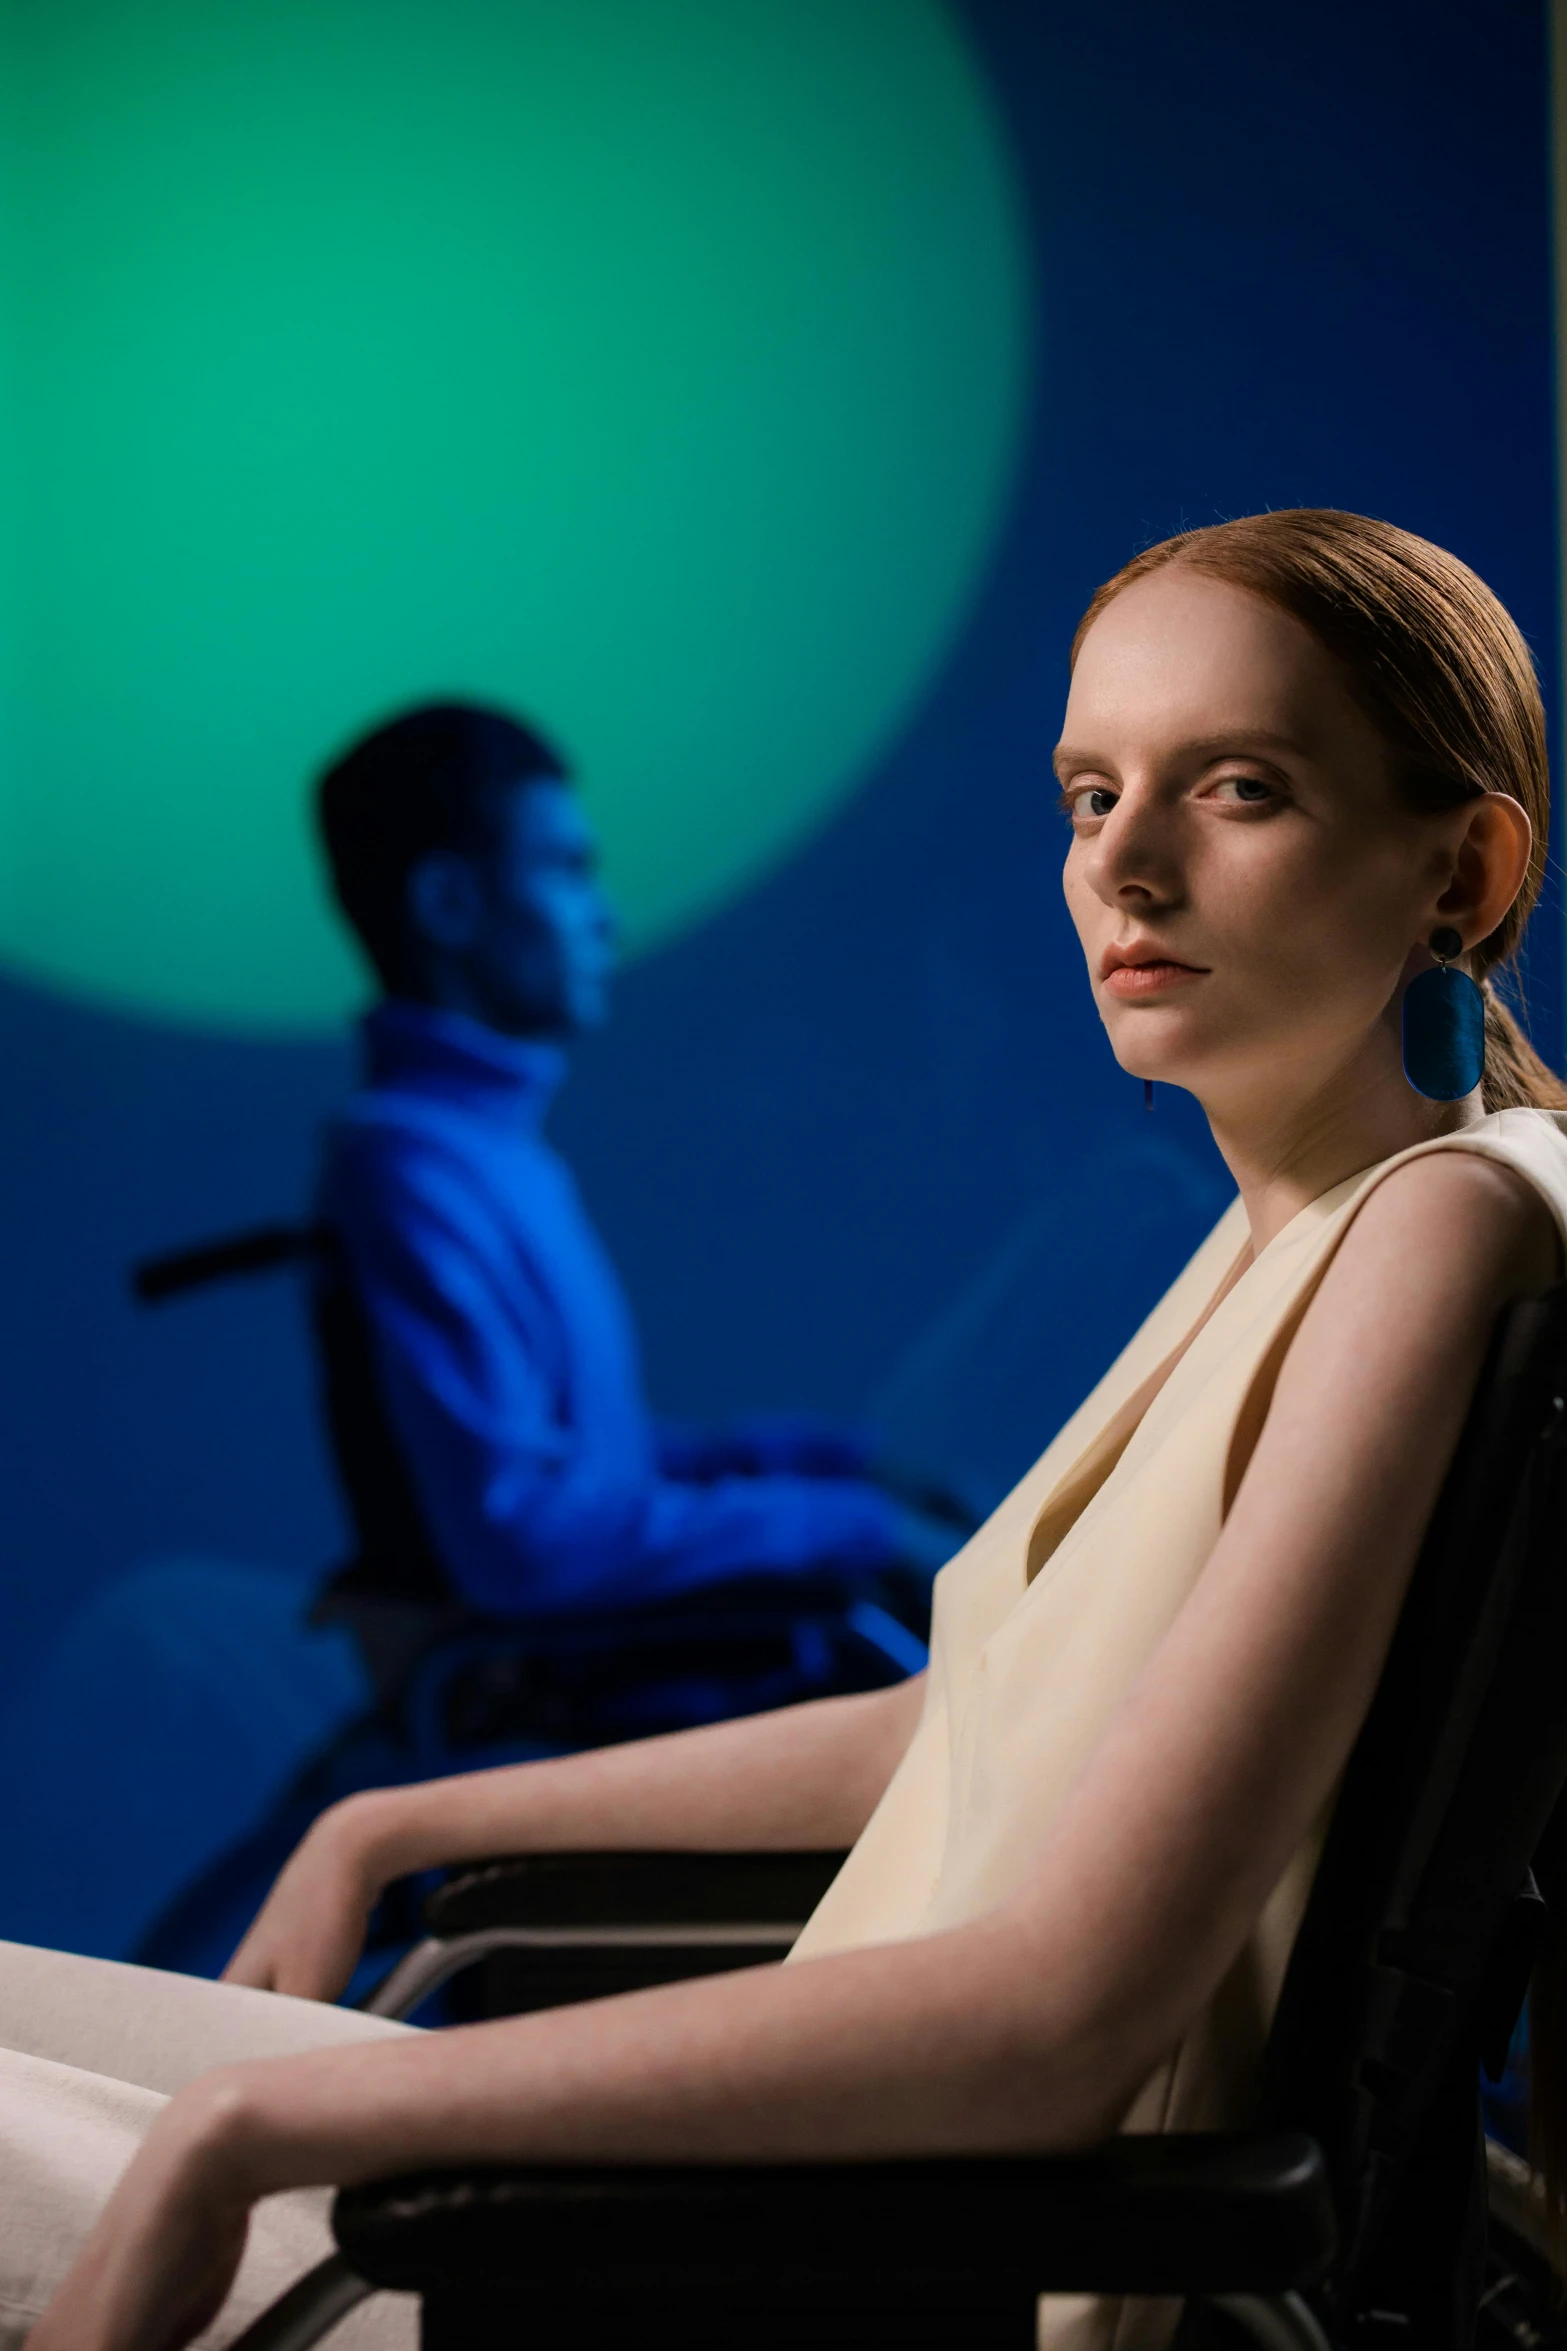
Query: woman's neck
(1284, 1155)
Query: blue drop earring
(1444, 1026)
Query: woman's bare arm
(806, 1777)
(1035, 2025)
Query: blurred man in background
(483, 1376)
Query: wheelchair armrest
(596, 1923)
(1211, 2214)
(632, 1889)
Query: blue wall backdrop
(856, 1140)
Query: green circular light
(655, 366)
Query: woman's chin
(1155, 1059)
(1168, 1044)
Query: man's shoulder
(384, 1149)
(384, 1137)
(384, 1118)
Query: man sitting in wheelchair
(481, 1364)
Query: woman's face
(1247, 886)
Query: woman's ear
(442, 898)
(1491, 859)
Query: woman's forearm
(807, 1776)
(914, 2047)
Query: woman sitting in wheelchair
(1303, 765)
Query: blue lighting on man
(502, 1344)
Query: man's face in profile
(544, 937)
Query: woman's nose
(1133, 858)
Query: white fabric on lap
(139, 2024)
(97, 2048)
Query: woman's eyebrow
(1068, 757)
(1241, 740)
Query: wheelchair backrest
(1413, 1955)
(396, 1558)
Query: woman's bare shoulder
(1459, 1213)
(1400, 1321)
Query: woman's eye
(1246, 791)
(1096, 801)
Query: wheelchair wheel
(1522, 2307)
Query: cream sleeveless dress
(1046, 1618)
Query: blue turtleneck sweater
(507, 1356)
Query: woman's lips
(1134, 981)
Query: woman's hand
(807, 1776)
(310, 1930)
(159, 2263)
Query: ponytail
(1515, 1076)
